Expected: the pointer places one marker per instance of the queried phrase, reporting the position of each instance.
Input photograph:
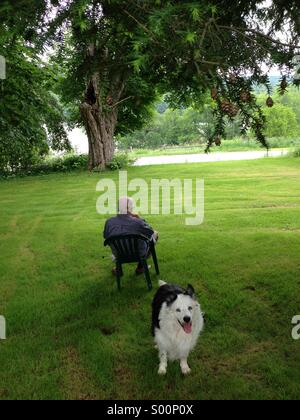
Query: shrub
(65, 163)
(120, 161)
(296, 153)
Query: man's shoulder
(126, 219)
(111, 219)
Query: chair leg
(147, 274)
(154, 256)
(119, 274)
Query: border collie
(177, 322)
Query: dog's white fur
(172, 341)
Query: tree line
(190, 126)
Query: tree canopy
(31, 116)
(116, 56)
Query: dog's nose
(187, 319)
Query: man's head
(126, 205)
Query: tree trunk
(100, 117)
(100, 130)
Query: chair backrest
(129, 248)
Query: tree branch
(120, 102)
(262, 35)
(253, 40)
(205, 31)
(141, 25)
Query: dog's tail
(161, 283)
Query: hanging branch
(262, 35)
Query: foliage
(184, 48)
(65, 163)
(219, 49)
(296, 153)
(120, 161)
(176, 128)
(281, 121)
(171, 128)
(188, 126)
(31, 117)
(133, 50)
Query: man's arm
(146, 229)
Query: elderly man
(128, 223)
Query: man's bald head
(126, 205)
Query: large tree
(31, 116)
(116, 55)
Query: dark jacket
(125, 224)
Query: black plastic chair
(126, 249)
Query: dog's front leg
(163, 357)
(184, 367)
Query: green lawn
(235, 145)
(71, 334)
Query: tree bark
(100, 122)
(100, 130)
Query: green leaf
(191, 37)
(214, 10)
(136, 46)
(196, 14)
(138, 63)
(83, 25)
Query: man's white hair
(126, 205)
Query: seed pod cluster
(229, 108)
(218, 141)
(245, 96)
(270, 102)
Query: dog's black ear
(171, 298)
(191, 291)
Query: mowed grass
(234, 145)
(72, 335)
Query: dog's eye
(190, 308)
(178, 310)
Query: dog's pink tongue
(187, 328)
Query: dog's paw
(185, 370)
(162, 371)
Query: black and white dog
(177, 322)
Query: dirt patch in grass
(77, 385)
(124, 378)
(107, 331)
(4, 393)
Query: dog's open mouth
(187, 327)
